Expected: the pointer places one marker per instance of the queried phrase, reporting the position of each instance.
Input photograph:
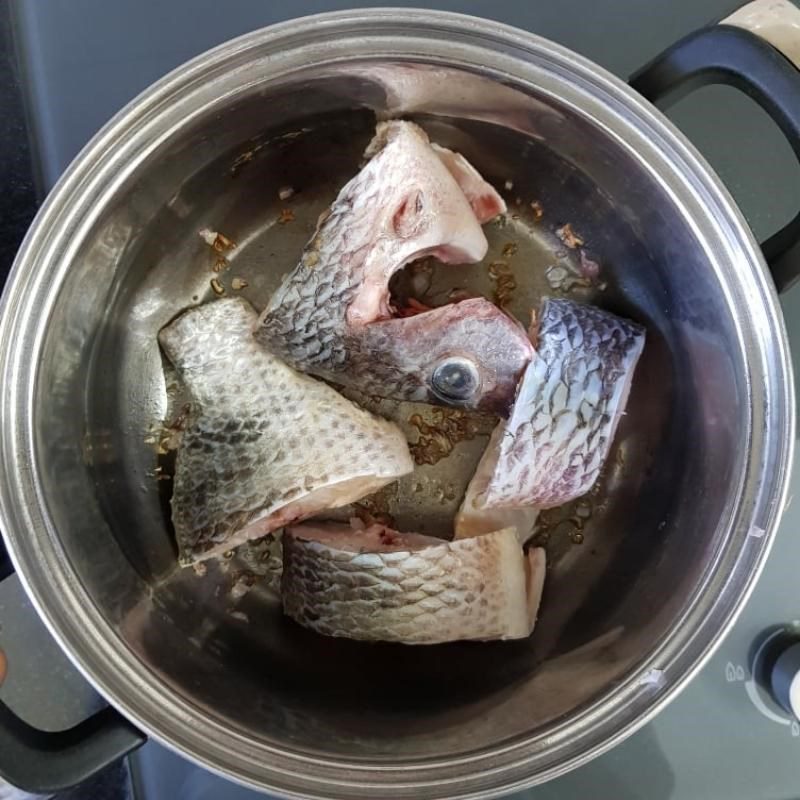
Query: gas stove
(725, 736)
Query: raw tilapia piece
(332, 316)
(573, 393)
(381, 585)
(264, 445)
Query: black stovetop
(18, 200)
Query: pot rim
(498, 51)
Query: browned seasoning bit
(218, 288)
(509, 249)
(504, 282)
(238, 283)
(220, 264)
(286, 215)
(375, 508)
(538, 211)
(169, 438)
(447, 427)
(569, 237)
(200, 569)
(223, 243)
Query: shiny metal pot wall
(628, 617)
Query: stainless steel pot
(685, 514)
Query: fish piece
(381, 585)
(570, 400)
(332, 317)
(264, 445)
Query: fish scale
(264, 445)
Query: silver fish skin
(264, 444)
(331, 316)
(563, 421)
(381, 585)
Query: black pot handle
(45, 762)
(735, 56)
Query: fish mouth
(408, 287)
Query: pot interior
(623, 564)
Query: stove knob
(786, 679)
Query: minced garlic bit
(209, 237)
(556, 275)
(285, 192)
(238, 283)
(509, 185)
(218, 241)
(217, 286)
(537, 209)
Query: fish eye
(455, 379)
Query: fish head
(468, 354)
